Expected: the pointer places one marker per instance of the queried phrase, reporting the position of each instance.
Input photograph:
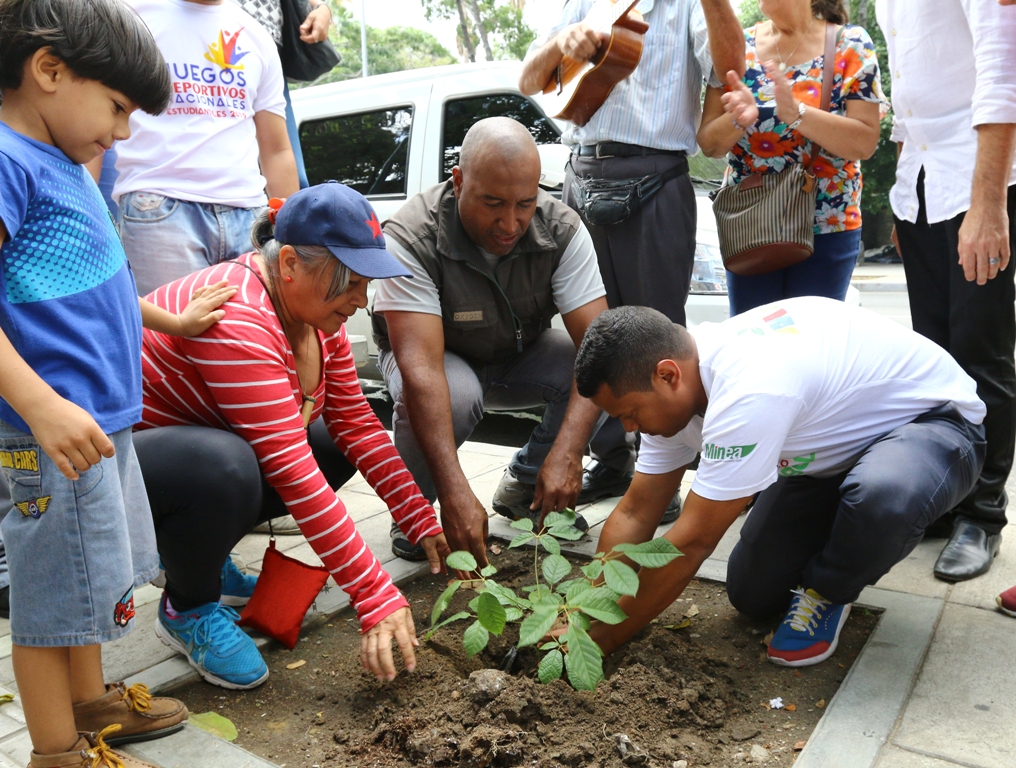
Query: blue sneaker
(213, 644)
(237, 586)
(810, 631)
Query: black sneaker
(5, 603)
(402, 548)
(673, 510)
(602, 482)
(513, 497)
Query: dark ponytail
(833, 11)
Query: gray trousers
(541, 375)
(840, 534)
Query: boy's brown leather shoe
(140, 715)
(90, 751)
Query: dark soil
(699, 694)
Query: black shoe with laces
(602, 482)
(402, 548)
(513, 497)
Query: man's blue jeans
(838, 535)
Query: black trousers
(976, 324)
(207, 492)
(838, 535)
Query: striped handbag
(766, 221)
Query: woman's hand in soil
(437, 550)
(376, 645)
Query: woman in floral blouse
(770, 120)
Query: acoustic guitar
(578, 88)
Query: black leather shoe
(403, 549)
(969, 553)
(673, 510)
(602, 482)
(513, 498)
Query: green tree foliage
(391, 49)
(492, 27)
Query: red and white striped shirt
(240, 375)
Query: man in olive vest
(493, 259)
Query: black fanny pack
(603, 202)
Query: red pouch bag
(284, 593)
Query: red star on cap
(374, 224)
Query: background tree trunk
(481, 29)
(467, 41)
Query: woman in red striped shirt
(263, 415)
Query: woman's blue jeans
(825, 273)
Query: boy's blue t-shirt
(68, 302)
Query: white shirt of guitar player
(224, 68)
(803, 387)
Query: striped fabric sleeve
(245, 366)
(363, 440)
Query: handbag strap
(828, 70)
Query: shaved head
(498, 140)
(497, 182)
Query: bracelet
(737, 124)
(800, 116)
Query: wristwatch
(800, 116)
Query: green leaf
(565, 517)
(488, 570)
(550, 544)
(621, 578)
(575, 590)
(522, 524)
(215, 724)
(569, 532)
(457, 617)
(461, 561)
(551, 666)
(512, 613)
(555, 568)
(593, 570)
(475, 638)
(579, 620)
(542, 595)
(504, 594)
(604, 610)
(491, 614)
(584, 661)
(536, 625)
(443, 602)
(521, 539)
(474, 604)
(546, 646)
(655, 553)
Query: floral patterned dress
(768, 147)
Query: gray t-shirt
(576, 281)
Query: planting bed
(698, 693)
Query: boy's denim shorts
(76, 549)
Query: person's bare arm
(723, 116)
(726, 38)
(696, 533)
(278, 165)
(560, 478)
(984, 233)
(200, 314)
(315, 27)
(417, 342)
(577, 41)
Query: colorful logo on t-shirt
(225, 52)
(713, 452)
(799, 466)
(777, 322)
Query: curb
(865, 285)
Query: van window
(460, 114)
(368, 151)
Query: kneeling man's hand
(558, 483)
(376, 645)
(465, 525)
(437, 550)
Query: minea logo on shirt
(713, 452)
(225, 52)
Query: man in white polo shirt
(858, 432)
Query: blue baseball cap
(340, 219)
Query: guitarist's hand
(739, 102)
(579, 41)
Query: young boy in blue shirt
(79, 531)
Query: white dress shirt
(953, 68)
(659, 104)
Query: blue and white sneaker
(237, 586)
(809, 632)
(213, 644)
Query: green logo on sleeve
(713, 452)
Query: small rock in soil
(680, 764)
(744, 732)
(630, 754)
(759, 753)
(485, 685)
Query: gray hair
(315, 257)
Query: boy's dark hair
(101, 40)
(622, 347)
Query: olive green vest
(488, 317)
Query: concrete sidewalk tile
(981, 592)
(193, 747)
(913, 574)
(893, 757)
(864, 710)
(5, 627)
(362, 506)
(137, 650)
(165, 675)
(962, 706)
(17, 749)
